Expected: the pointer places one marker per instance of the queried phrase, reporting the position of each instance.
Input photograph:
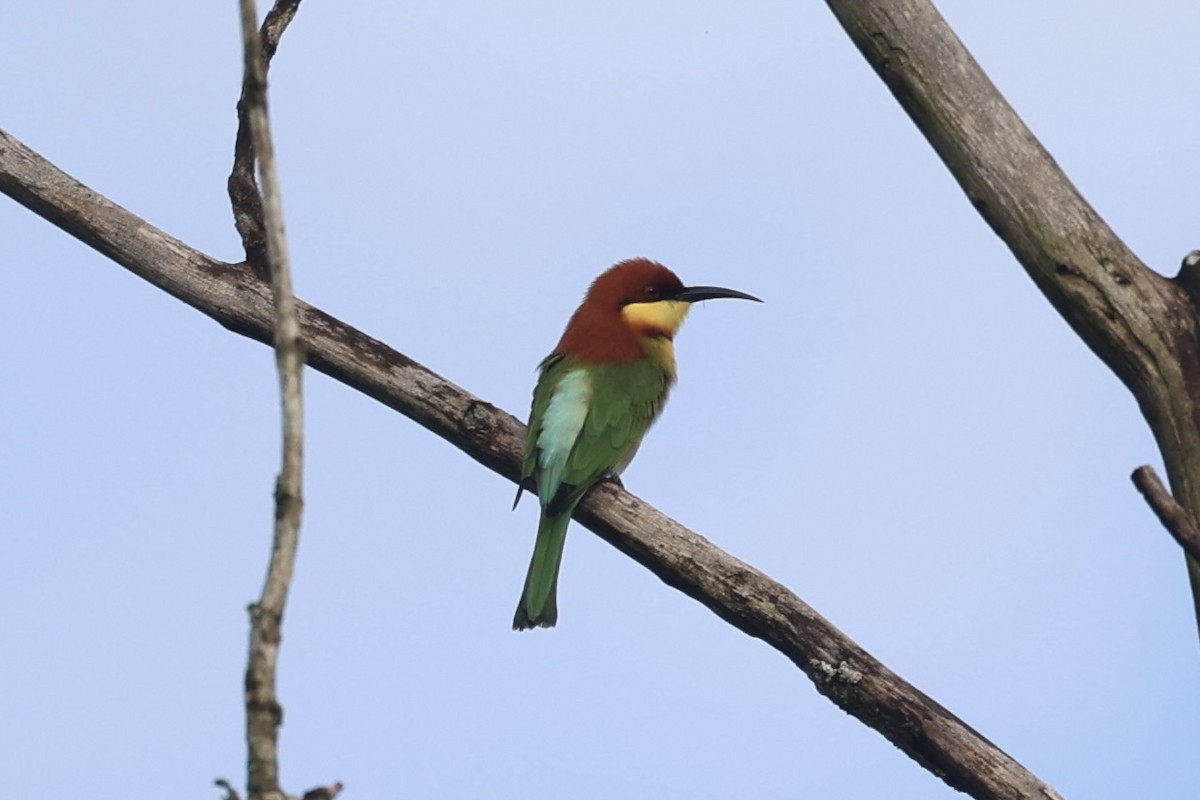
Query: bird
(597, 394)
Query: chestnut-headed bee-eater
(597, 394)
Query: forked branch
(1143, 326)
(242, 184)
(1169, 513)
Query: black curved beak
(694, 294)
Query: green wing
(541, 400)
(626, 398)
(551, 371)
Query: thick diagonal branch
(1140, 324)
(735, 591)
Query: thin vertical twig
(263, 711)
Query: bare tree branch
(230, 792)
(1169, 513)
(264, 713)
(1143, 326)
(735, 591)
(323, 792)
(242, 186)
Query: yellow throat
(656, 324)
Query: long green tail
(538, 607)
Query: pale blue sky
(905, 434)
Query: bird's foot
(612, 477)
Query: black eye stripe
(651, 292)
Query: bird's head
(630, 302)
